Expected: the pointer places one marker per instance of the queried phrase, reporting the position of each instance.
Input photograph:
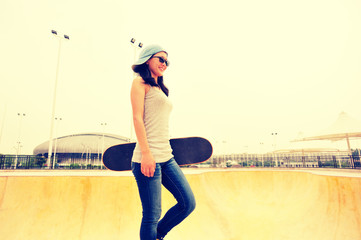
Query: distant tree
(355, 154)
(356, 157)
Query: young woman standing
(153, 164)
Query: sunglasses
(162, 60)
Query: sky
(240, 70)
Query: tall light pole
(246, 151)
(274, 134)
(2, 124)
(136, 48)
(56, 140)
(66, 37)
(261, 152)
(103, 130)
(21, 116)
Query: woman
(153, 164)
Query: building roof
(82, 143)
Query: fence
(319, 160)
(40, 162)
(21, 162)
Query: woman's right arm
(137, 95)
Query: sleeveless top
(157, 108)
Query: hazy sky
(240, 70)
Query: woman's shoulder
(138, 82)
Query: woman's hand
(147, 165)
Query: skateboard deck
(186, 151)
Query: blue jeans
(171, 176)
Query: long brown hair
(144, 72)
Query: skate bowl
(231, 205)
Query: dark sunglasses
(162, 60)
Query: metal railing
(286, 160)
(93, 161)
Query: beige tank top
(157, 108)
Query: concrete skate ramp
(231, 205)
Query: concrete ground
(249, 204)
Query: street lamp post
(2, 125)
(136, 47)
(54, 98)
(17, 149)
(56, 140)
(103, 130)
(20, 115)
(274, 134)
(246, 153)
(261, 152)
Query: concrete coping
(107, 173)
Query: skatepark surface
(249, 204)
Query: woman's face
(156, 66)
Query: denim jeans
(172, 178)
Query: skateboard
(186, 151)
